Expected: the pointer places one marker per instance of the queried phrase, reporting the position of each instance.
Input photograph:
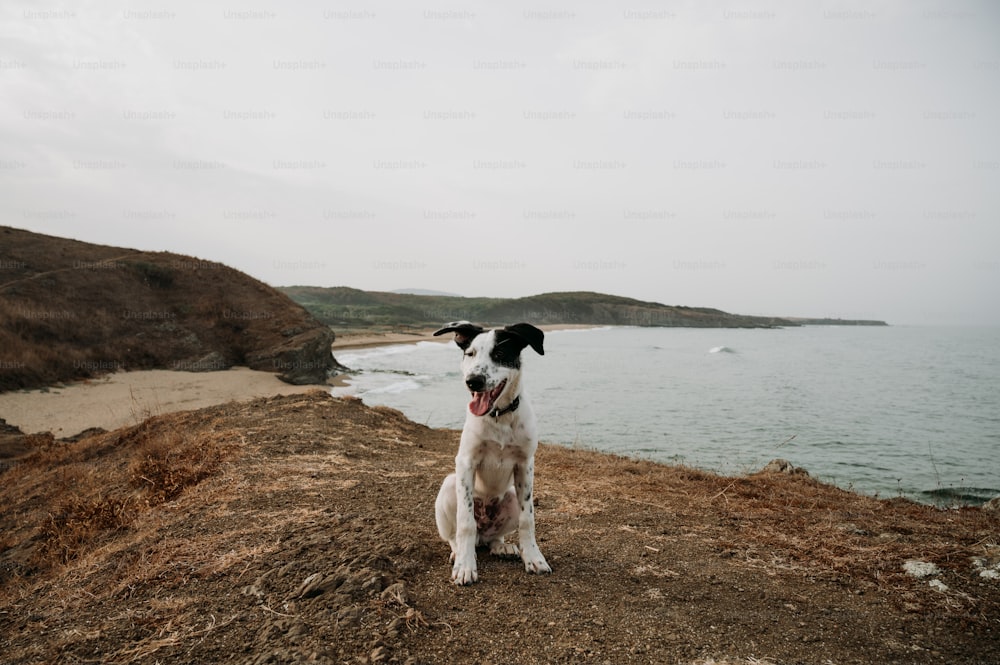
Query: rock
(783, 466)
(920, 569)
(992, 506)
(210, 362)
(988, 567)
(6, 428)
(938, 585)
(303, 359)
(309, 586)
(319, 583)
(252, 590)
(397, 593)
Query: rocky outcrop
(783, 466)
(302, 359)
(71, 310)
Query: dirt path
(310, 538)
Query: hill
(835, 322)
(72, 310)
(347, 308)
(301, 529)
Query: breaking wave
(394, 388)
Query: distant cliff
(836, 322)
(351, 308)
(72, 310)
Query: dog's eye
(470, 353)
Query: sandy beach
(128, 398)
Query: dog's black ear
(529, 335)
(464, 331)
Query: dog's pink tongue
(480, 403)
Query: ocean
(884, 411)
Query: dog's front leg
(524, 481)
(463, 569)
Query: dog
(490, 494)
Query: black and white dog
(490, 493)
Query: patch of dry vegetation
(78, 495)
(860, 542)
(167, 464)
(777, 522)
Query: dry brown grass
(652, 563)
(167, 464)
(83, 494)
(799, 523)
(78, 521)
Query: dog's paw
(534, 562)
(539, 567)
(464, 575)
(502, 549)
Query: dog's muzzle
(482, 399)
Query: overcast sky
(801, 158)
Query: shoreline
(128, 398)
(353, 341)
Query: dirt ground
(300, 529)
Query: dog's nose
(476, 383)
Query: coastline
(351, 341)
(127, 398)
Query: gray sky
(799, 158)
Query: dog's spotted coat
(490, 493)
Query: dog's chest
(494, 466)
(493, 449)
(494, 454)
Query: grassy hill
(300, 529)
(345, 307)
(73, 310)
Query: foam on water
(721, 349)
(394, 388)
(364, 356)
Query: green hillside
(346, 308)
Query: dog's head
(491, 364)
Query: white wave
(394, 388)
(721, 349)
(358, 356)
(361, 355)
(433, 345)
(566, 331)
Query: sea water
(887, 411)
